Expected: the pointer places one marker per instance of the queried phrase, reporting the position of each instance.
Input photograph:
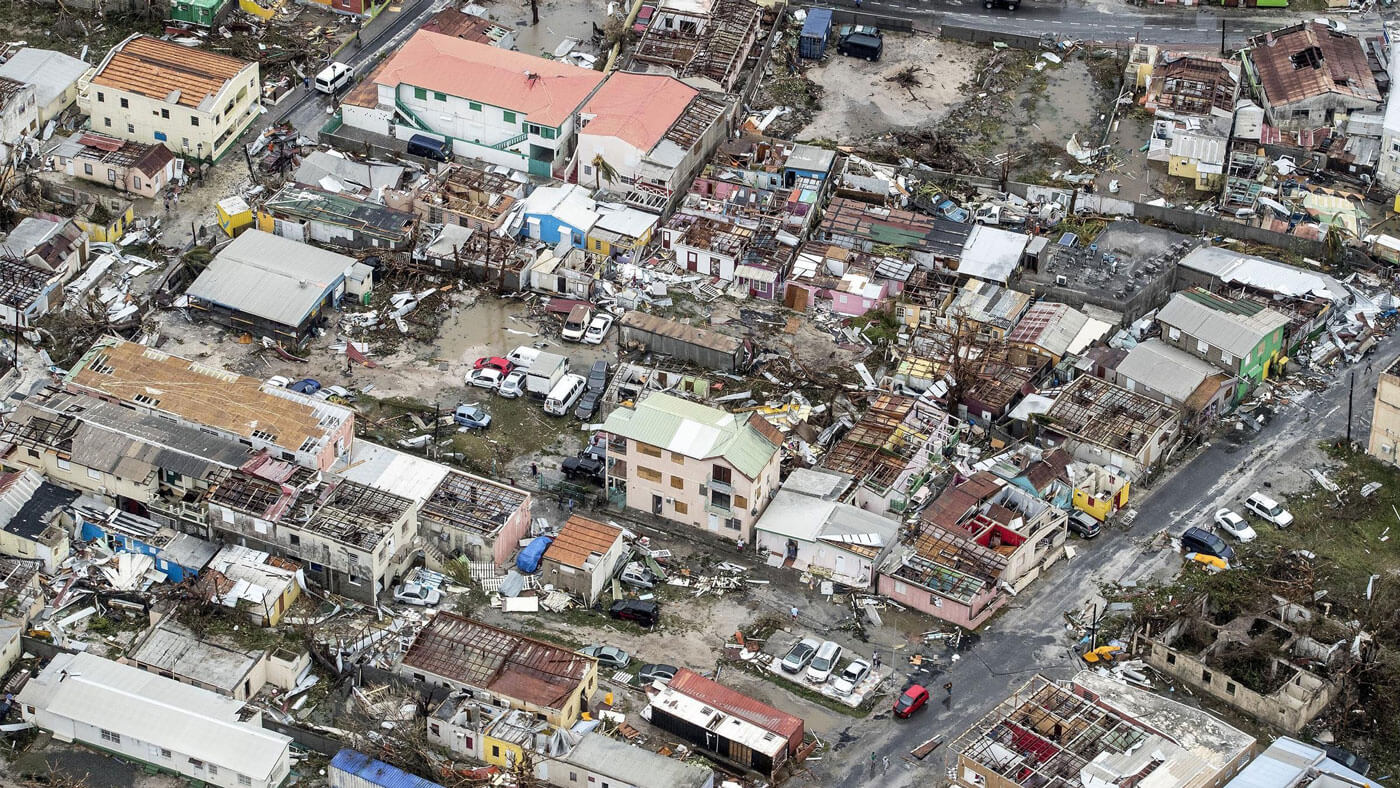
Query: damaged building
(709, 41)
(893, 451)
(1098, 422)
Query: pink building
(131, 167)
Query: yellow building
(1199, 158)
(620, 231)
(234, 214)
(193, 101)
(1098, 491)
(107, 226)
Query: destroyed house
(143, 717)
(475, 517)
(191, 100)
(1054, 330)
(1308, 76)
(19, 112)
(54, 75)
(27, 292)
(307, 213)
(807, 529)
(49, 243)
(141, 462)
(706, 245)
(467, 195)
(889, 451)
(260, 585)
(708, 40)
(223, 404)
(470, 27)
(1177, 378)
(763, 269)
(335, 172)
(34, 518)
(1098, 422)
(1185, 85)
(726, 724)
(142, 169)
(1096, 731)
(601, 760)
(853, 282)
(976, 544)
(502, 107)
(863, 227)
(501, 667)
(213, 662)
(351, 538)
(265, 284)
(994, 309)
(692, 463)
(653, 130)
(351, 769)
(1306, 296)
(176, 555)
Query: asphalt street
(1029, 637)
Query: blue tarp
(529, 559)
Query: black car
(587, 405)
(643, 611)
(1084, 524)
(598, 376)
(584, 466)
(1199, 540)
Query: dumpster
(815, 31)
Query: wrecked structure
(1098, 422)
(894, 452)
(710, 40)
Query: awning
(755, 274)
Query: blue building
(807, 161)
(178, 555)
(559, 213)
(351, 769)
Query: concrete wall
(1385, 421)
(151, 120)
(969, 616)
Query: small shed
(815, 31)
(197, 12)
(234, 215)
(583, 557)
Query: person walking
(949, 688)
(794, 619)
(534, 469)
(872, 764)
(885, 762)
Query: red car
(912, 699)
(494, 362)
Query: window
(63, 464)
(420, 94)
(719, 500)
(135, 182)
(648, 450)
(115, 738)
(244, 779)
(532, 128)
(474, 106)
(124, 104)
(495, 751)
(1173, 333)
(682, 508)
(439, 96)
(721, 474)
(648, 474)
(677, 483)
(107, 122)
(1230, 687)
(185, 142)
(434, 728)
(741, 502)
(1171, 659)
(111, 175)
(294, 539)
(733, 524)
(678, 459)
(165, 113)
(1205, 676)
(547, 133)
(94, 474)
(87, 169)
(508, 116)
(213, 769)
(101, 97)
(1226, 358)
(130, 128)
(194, 121)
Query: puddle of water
(557, 22)
(1066, 106)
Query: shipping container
(815, 31)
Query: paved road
(1029, 637)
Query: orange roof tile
(579, 538)
(155, 68)
(546, 91)
(638, 108)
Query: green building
(1242, 337)
(196, 12)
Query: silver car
(851, 677)
(800, 655)
(417, 594)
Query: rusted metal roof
(579, 538)
(739, 705)
(165, 71)
(1308, 60)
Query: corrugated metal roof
(1161, 367)
(1235, 334)
(732, 702)
(636, 765)
(270, 277)
(373, 772)
(579, 538)
(50, 72)
(695, 430)
(166, 71)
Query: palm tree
(601, 170)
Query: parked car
(306, 386)
(598, 329)
(643, 611)
(494, 362)
(851, 677)
(824, 663)
(1348, 759)
(473, 417)
(417, 594)
(588, 405)
(1268, 509)
(338, 394)
(584, 466)
(1234, 525)
(654, 672)
(607, 656)
(1199, 540)
(1084, 524)
(577, 323)
(637, 574)
(862, 45)
(279, 381)
(513, 385)
(598, 376)
(910, 700)
(485, 378)
(800, 655)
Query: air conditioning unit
(670, 501)
(1061, 280)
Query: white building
(805, 527)
(54, 76)
(138, 715)
(1388, 166)
(505, 108)
(19, 112)
(193, 101)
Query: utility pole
(437, 418)
(1222, 38)
(1351, 390)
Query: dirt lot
(861, 99)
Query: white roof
(625, 221)
(807, 518)
(1092, 331)
(1263, 274)
(126, 700)
(271, 277)
(1161, 367)
(992, 254)
(50, 72)
(1288, 763)
(1207, 150)
(393, 471)
(730, 727)
(1392, 101)
(568, 203)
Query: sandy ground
(857, 101)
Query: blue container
(815, 32)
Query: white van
(577, 323)
(1269, 509)
(334, 77)
(565, 393)
(523, 356)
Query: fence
(975, 36)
